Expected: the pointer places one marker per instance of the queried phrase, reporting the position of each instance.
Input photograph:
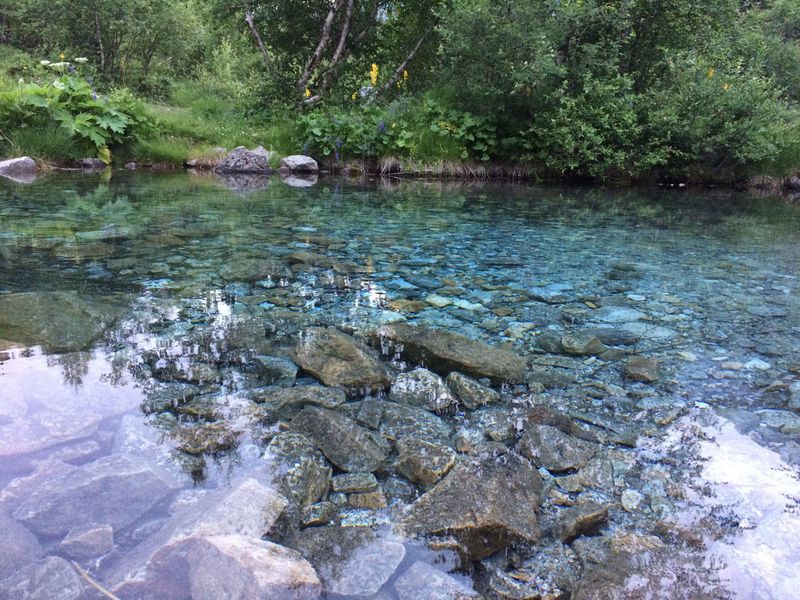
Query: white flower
(59, 66)
(58, 85)
(81, 60)
(44, 63)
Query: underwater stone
(640, 368)
(53, 578)
(299, 470)
(424, 462)
(345, 443)
(19, 545)
(444, 351)
(552, 449)
(424, 581)
(337, 359)
(90, 541)
(401, 421)
(469, 392)
(421, 388)
(486, 506)
(581, 520)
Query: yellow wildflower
(354, 96)
(308, 93)
(61, 56)
(373, 74)
(726, 86)
(710, 72)
(405, 75)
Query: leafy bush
(69, 102)
(424, 130)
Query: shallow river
(396, 390)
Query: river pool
(396, 390)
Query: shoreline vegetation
(672, 94)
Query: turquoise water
(133, 309)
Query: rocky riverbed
(349, 392)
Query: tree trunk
(325, 38)
(248, 17)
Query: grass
(51, 143)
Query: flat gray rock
(51, 579)
(424, 581)
(116, 489)
(298, 163)
(19, 546)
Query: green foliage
(425, 130)
(70, 102)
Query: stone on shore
(339, 360)
(399, 421)
(640, 368)
(298, 163)
(242, 160)
(444, 351)
(21, 170)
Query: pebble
(631, 499)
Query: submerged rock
(59, 321)
(53, 578)
(469, 392)
(424, 581)
(351, 561)
(116, 489)
(286, 402)
(19, 545)
(236, 567)
(554, 450)
(422, 388)
(485, 506)
(399, 421)
(165, 565)
(424, 462)
(445, 351)
(581, 520)
(337, 359)
(91, 541)
(640, 368)
(298, 469)
(345, 443)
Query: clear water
(177, 269)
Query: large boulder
(116, 489)
(19, 169)
(444, 351)
(486, 506)
(166, 565)
(59, 321)
(337, 359)
(345, 443)
(298, 163)
(236, 567)
(242, 160)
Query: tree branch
(399, 72)
(325, 39)
(248, 17)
